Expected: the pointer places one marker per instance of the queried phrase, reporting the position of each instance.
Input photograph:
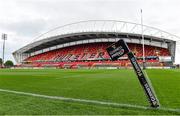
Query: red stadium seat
(90, 54)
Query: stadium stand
(93, 55)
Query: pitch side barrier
(119, 49)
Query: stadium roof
(96, 29)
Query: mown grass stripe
(88, 101)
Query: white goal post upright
(144, 60)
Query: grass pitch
(117, 86)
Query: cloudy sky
(24, 20)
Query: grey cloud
(25, 27)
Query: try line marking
(87, 101)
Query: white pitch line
(88, 101)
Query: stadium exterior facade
(97, 31)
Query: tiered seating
(91, 53)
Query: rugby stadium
(83, 45)
(67, 71)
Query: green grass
(118, 86)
